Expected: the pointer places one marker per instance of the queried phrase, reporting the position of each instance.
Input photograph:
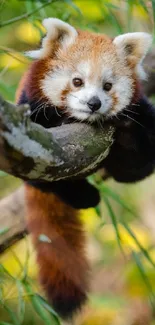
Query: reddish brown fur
(115, 101)
(63, 266)
(34, 76)
(64, 93)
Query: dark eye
(107, 86)
(77, 82)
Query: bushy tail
(60, 250)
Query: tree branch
(12, 216)
(29, 151)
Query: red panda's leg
(62, 262)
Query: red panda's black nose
(94, 103)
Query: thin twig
(26, 15)
(12, 240)
(12, 53)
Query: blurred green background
(121, 231)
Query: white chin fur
(82, 116)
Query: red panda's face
(91, 87)
(90, 76)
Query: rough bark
(12, 213)
(29, 151)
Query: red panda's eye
(77, 82)
(107, 86)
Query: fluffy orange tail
(63, 266)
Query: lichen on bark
(29, 151)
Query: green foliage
(106, 192)
(25, 292)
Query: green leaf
(97, 209)
(39, 306)
(141, 270)
(102, 301)
(26, 264)
(11, 314)
(109, 192)
(1, 291)
(6, 272)
(110, 5)
(74, 6)
(7, 91)
(49, 308)
(21, 302)
(143, 4)
(114, 222)
(112, 17)
(145, 278)
(2, 174)
(5, 323)
(143, 250)
(3, 231)
(153, 7)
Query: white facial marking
(77, 99)
(53, 85)
(84, 68)
(123, 91)
(138, 44)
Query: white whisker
(45, 113)
(129, 117)
(128, 110)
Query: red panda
(76, 75)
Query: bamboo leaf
(153, 7)
(74, 6)
(50, 309)
(39, 306)
(109, 192)
(11, 315)
(145, 279)
(114, 222)
(21, 302)
(143, 250)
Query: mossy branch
(29, 151)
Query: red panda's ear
(59, 34)
(133, 48)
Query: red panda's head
(89, 75)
